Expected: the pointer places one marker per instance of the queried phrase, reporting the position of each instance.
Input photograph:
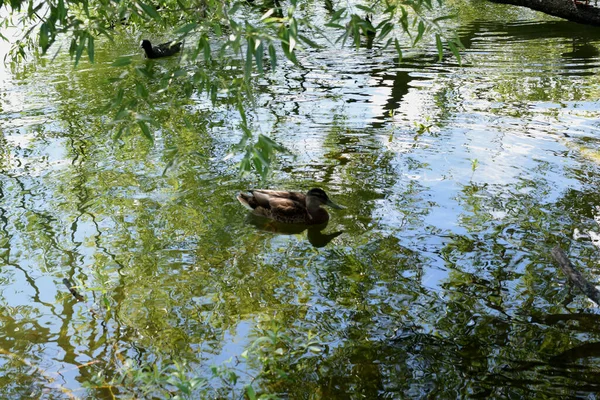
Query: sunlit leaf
(292, 44)
(267, 14)
(315, 349)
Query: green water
(436, 281)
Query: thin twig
(575, 276)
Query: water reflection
(314, 233)
(457, 186)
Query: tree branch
(575, 276)
(566, 9)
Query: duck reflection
(314, 233)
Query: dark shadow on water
(314, 233)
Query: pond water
(436, 281)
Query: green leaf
(390, 9)
(185, 29)
(62, 11)
(30, 11)
(258, 166)
(120, 117)
(440, 46)
(420, 31)
(245, 165)
(121, 61)
(404, 20)
(234, 8)
(120, 95)
(271, 143)
(309, 42)
(79, 49)
(451, 16)
(387, 28)
(338, 14)
(260, 156)
(146, 130)
(454, 50)
(91, 48)
(44, 37)
(119, 133)
(272, 57)
(366, 9)
(150, 11)
(398, 50)
(250, 392)
(141, 90)
(144, 71)
(206, 48)
(258, 54)
(248, 67)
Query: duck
(289, 207)
(160, 50)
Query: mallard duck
(160, 50)
(289, 207)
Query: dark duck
(160, 50)
(289, 207)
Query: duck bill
(333, 205)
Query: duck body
(160, 50)
(289, 207)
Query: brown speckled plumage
(288, 207)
